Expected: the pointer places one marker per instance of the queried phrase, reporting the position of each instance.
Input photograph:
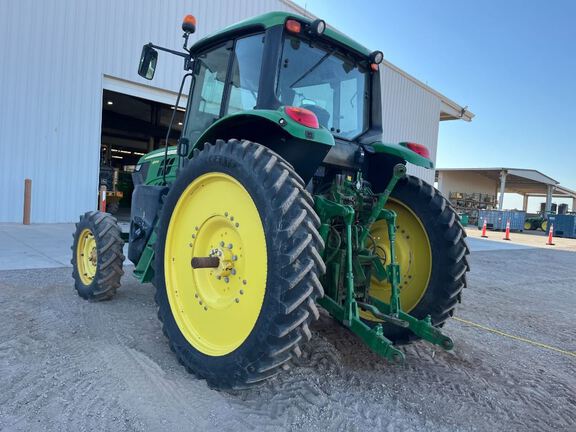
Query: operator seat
(322, 114)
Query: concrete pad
(527, 238)
(37, 246)
(481, 245)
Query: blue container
(564, 226)
(496, 219)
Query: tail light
(417, 148)
(303, 116)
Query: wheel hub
(219, 287)
(87, 256)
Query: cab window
(245, 75)
(208, 92)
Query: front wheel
(237, 264)
(97, 256)
(544, 225)
(430, 250)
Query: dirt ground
(66, 364)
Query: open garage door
(131, 127)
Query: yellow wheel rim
(86, 256)
(215, 308)
(413, 253)
(527, 225)
(544, 225)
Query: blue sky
(512, 62)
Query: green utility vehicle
(535, 222)
(280, 196)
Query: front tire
(431, 252)
(241, 322)
(97, 256)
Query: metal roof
(519, 180)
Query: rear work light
(417, 148)
(293, 26)
(303, 116)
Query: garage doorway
(131, 127)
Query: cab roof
(271, 19)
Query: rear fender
(400, 151)
(383, 156)
(303, 147)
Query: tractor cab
(298, 73)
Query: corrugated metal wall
(55, 56)
(410, 113)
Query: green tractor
(280, 196)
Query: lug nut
(244, 281)
(241, 292)
(196, 228)
(193, 235)
(234, 257)
(205, 308)
(222, 244)
(231, 218)
(226, 279)
(237, 225)
(226, 214)
(229, 245)
(218, 277)
(196, 295)
(237, 300)
(233, 271)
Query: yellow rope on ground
(518, 338)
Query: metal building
(69, 82)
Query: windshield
(326, 82)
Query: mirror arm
(178, 53)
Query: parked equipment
(109, 178)
(280, 195)
(497, 219)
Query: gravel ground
(66, 364)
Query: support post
(525, 203)
(27, 201)
(574, 204)
(503, 175)
(549, 191)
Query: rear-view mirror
(148, 60)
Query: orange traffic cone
(484, 229)
(507, 236)
(550, 233)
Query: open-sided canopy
(526, 182)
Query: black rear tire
(294, 265)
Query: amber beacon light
(189, 24)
